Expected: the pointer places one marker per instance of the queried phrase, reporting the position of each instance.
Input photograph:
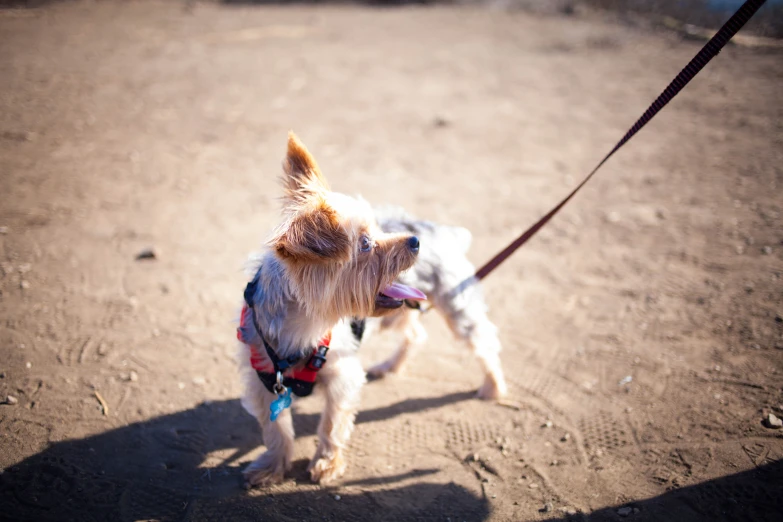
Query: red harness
(302, 379)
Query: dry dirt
(642, 329)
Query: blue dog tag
(282, 402)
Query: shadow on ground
(754, 495)
(186, 466)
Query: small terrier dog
(446, 276)
(326, 263)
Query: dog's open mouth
(395, 294)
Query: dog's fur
(440, 269)
(316, 273)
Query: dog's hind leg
(341, 379)
(413, 334)
(473, 326)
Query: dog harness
(281, 376)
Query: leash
(707, 53)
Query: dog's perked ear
(313, 235)
(302, 176)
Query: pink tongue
(398, 291)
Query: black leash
(707, 53)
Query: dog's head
(338, 261)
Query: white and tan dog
(327, 262)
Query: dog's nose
(413, 244)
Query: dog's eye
(365, 245)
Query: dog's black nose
(413, 244)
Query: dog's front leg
(342, 381)
(270, 467)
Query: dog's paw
(381, 369)
(264, 471)
(492, 390)
(325, 470)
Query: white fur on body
(440, 268)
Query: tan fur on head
(319, 243)
(313, 234)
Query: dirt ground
(642, 329)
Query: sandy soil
(642, 330)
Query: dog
(327, 262)
(446, 276)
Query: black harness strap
(298, 387)
(357, 328)
(279, 364)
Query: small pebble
(199, 380)
(147, 253)
(11, 400)
(773, 422)
(103, 349)
(624, 511)
(533, 486)
(133, 376)
(337, 497)
(24, 285)
(28, 365)
(24, 268)
(565, 437)
(767, 250)
(3, 230)
(547, 424)
(548, 507)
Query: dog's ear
(313, 235)
(302, 177)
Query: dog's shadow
(186, 465)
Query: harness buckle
(318, 359)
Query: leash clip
(279, 387)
